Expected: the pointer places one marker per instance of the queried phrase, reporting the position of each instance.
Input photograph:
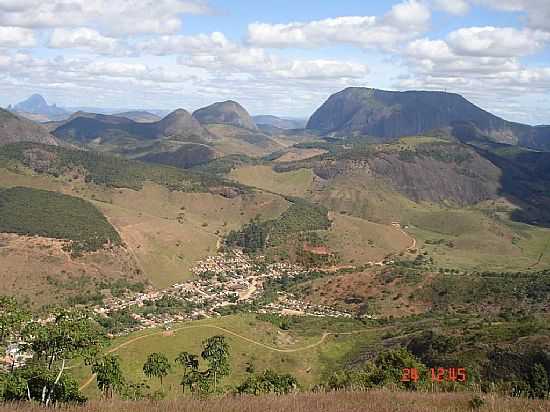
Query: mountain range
(352, 113)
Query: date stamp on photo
(438, 375)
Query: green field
(295, 183)
(306, 353)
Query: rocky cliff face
(445, 173)
(228, 112)
(387, 115)
(15, 129)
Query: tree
(12, 319)
(216, 353)
(28, 383)
(540, 387)
(66, 335)
(157, 365)
(190, 364)
(197, 381)
(108, 375)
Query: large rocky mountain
(15, 129)
(228, 112)
(388, 114)
(37, 108)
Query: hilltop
(388, 115)
(15, 129)
(85, 127)
(140, 116)
(228, 112)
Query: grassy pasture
(305, 355)
(295, 183)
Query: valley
(313, 254)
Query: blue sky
(278, 57)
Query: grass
(103, 169)
(295, 183)
(165, 231)
(232, 140)
(486, 245)
(286, 352)
(375, 400)
(359, 241)
(170, 231)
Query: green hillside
(102, 169)
(48, 214)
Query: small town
(221, 281)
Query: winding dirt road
(219, 328)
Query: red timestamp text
(436, 375)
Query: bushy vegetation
(387, 369)
(525, 291)
(106, 170)
(301, 217)
(224, 165)
(268, 382)
(38, 212)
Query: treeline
(107, 170)
(33, 212)
(301, 217)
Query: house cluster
(287, 304)
(221, 280)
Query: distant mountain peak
(227, 112)
(268, 120)
(37, 104)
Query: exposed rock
(228, 112)
(388, 114)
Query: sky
(283, 57)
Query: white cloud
(411, 14)
(112, 17)
(135, 71)
(482, 71)
(456, 7)
(321, 70)
(497, 41)
(84, 38)
(16, 37)
(405, 21)
(537, 11)
(216, 52)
